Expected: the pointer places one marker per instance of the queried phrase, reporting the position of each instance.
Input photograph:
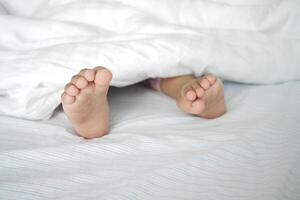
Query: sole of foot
(203, 97)
(84, 101)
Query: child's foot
(85, 102)
(203, 97)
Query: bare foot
(85, 102)
(203, 97)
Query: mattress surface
(154, 151)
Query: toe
(193, 108)
(79, 81)
(195, 85)
(67, 99)
(89, 74)
(204, 83)
(200, 92)
(198, 89)
(103, 76)
(211, 78)
(189, 93)
(71, 90)
(197, 107)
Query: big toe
(103, 76)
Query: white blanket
(43, 43)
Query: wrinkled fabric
(156, 152)
(43, 43)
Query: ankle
(173, 86)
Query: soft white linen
(43, 43)
(156, 152)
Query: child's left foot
(203, 97)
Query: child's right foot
(85, 102)
(203, 97)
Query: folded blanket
(43, 43)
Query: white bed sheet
(154, 151)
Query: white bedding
(156, 152)
(43, 43)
